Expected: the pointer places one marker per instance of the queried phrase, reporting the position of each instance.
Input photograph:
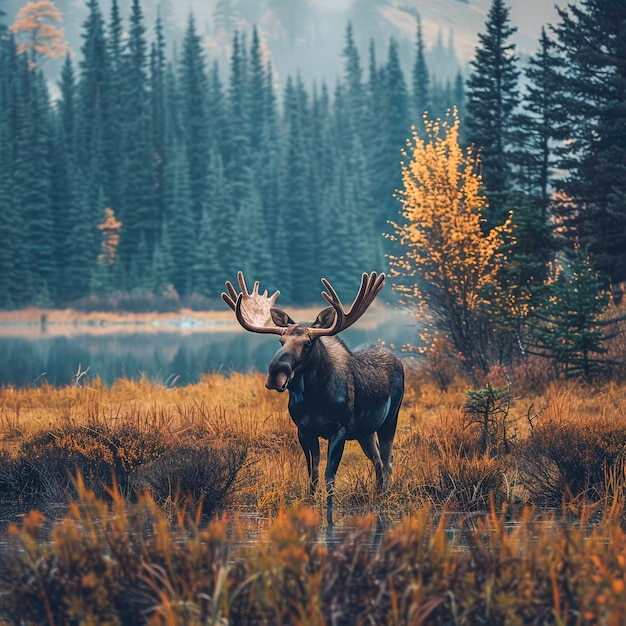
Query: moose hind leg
(386, 434)
(372, 452)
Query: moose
(334, 393)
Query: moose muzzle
(280, 372)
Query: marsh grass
(567, 440)
(159, 485)
(118, 563)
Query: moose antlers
(254, 310)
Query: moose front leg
(311, 447)
(336, 445)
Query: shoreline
(35, 323)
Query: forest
(154, 176)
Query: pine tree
(296, 212)
(32, 186)
(93, 111)
(222, 215)
(573, 322)
(492, 97)
(374, 134)
(255, 94)
(181, 225)
(538, 132)
(159, 117)
(113, 129)
(591, 88)
(63, 164)
(139, 212)
(421, 78)
(238, 156)
(397, 127)
(8, 213)
(354, 90)
(196, 123)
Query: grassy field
(190, 505)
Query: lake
(176, 352)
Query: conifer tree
(207, 266)
(113, 131)
(421, 78)
(181, 225)
(224, 238)
(396, 126)
(492, 97)
(32, 184)
(62, 163)
(238, 155)
(296, 215)
(196, 124)
(374, 133)
(574, 323)
(139, 212)
(355, 96)
(590, 41)
(159, 117)
(9, 214)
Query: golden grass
(436, 461)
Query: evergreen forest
(158, 174)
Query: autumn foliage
(37, 30)
(448, 257)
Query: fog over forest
(306, 37)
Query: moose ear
(325, 319)
(280, 318)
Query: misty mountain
(306, 37)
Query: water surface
(179, 354)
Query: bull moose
(334, 393)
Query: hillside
(307, 36)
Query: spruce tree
(93, 108)
(139, 213)
(159, 117)
(492, 97)
(196, 124)
(573, 326)
(396, 119)
(113, 131)
(8, 213)
(353, 79)
(181, 225)
(32, 185)
(421, 78)
(238, 156)
(592, 92)
(296, 216)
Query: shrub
(202, 473)
(195, 465)
(571, 459)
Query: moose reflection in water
(334, 393)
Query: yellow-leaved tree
(38, 31)
(448, 259)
